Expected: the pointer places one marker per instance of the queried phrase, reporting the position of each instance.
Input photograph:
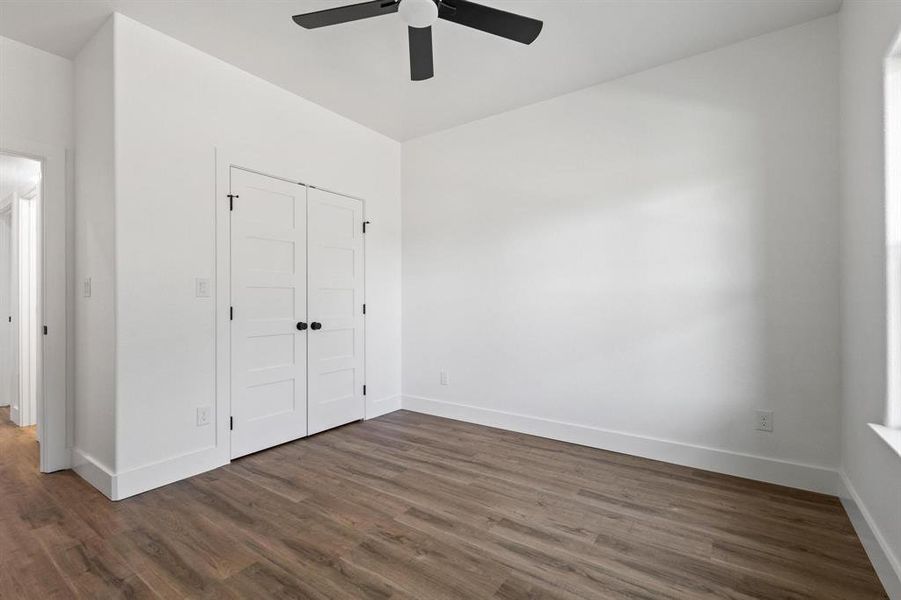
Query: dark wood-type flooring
(416, 507)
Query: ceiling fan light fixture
(418, 13)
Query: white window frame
(890, 429)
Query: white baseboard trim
(94, 472)
(791, 474)
(382, 406)
(887, 566)
(141, 479)
(118, 486)
(145, 478)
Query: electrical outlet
(203, 416)
(764, 421)
(444, 377)
(86, 289)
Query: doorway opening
(21, 188)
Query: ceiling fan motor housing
(418, 13)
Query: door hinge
(364, 390)
(364, 309)
(45, 330)
(10, 318)
(231, 201)
(365, 223)
(231, 313)
(231, 423)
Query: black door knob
(314, 325)
(301, 326)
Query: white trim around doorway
(54, 409)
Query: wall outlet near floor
(444, 379)
(203, 415)
(763, 420)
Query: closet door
(269, 303)
(335, 280)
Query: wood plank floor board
(92, 569)
(414, 507)
(635, 561)
(532, 564)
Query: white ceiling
(361, 69)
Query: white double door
(297, 311)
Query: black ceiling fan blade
(421, 66)
(345, 14)
(490, 20)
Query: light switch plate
(86, 289)
(202, 287)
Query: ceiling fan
(420, 15)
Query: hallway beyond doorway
(20, 206)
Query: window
(891, 430)
(893, 235)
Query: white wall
(95, 247)
(168, 122)
(656, 256)
(868, 30)
(36, 90)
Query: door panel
(335, 280)
(269, 298)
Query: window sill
(890, 436)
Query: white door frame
(27, 237)
(224, 161)
(6, 255)
(54, 241)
